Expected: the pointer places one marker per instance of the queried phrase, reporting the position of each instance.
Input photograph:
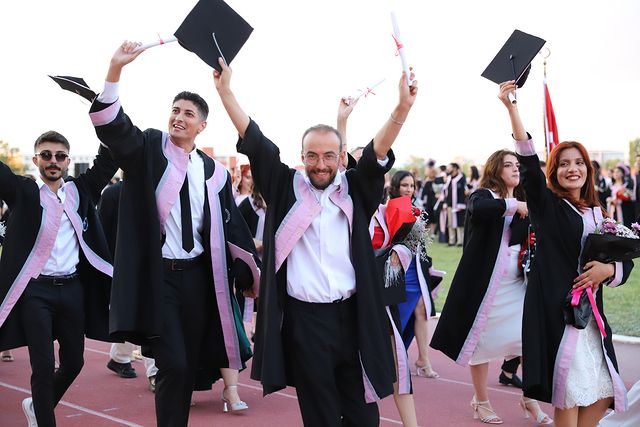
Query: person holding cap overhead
(321, 324)
(55, 270)
(172, 287)
(573, 369)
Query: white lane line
(97, 351)
(251, 386)
(76, 407)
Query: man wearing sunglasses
(172, 285)
(55, 269)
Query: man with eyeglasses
(55, 271)
(321, 322)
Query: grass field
(622, 304)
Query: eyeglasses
(328, 159)
(47, 155)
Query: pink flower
(609, 226)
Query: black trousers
(321, 350)
(49, 311)
(189, 315)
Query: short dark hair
(322, 129)
(200, 103)
(52, 136)
(454, 165)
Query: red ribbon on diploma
(399, 44)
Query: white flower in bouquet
(610, 226)
(3, 229)
(419, 237)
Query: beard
(46, 176)
(321, 185)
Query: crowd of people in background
(618, 189)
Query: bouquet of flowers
(611, 242)
(407, 226)
(3, 229)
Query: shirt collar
(40, 183)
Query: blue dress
(406, 309)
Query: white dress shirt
(172, 247)
(319, 267)
(65, 254)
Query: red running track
(100, 398)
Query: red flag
(550, 127)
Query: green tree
(11, 157)
(415, 164)
(634, 150)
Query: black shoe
(514, 380)
(124, 370)
(152, 383)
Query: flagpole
(544, 108)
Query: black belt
(338, 304)
(182, 264)
(55, 280)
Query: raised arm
(269, 173)
(113, 127)
(532, 178)
(125, 54)
(388, 133)
(238, 117)
(8, 184)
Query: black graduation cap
(513, 61)
(213, 30)
(76, 85)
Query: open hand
(594, 274)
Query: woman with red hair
(573, 369)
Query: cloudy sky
(304, 55)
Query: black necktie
(185, 209)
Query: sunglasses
(47, 155)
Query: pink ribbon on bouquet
(575, 300)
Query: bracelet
(394, 120)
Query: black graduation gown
(279, 186)
(108, 213)
(22, 254)
(155, 170)
(456, 199)
(457, 332)
(250, 216)
(559, 230)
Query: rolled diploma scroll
(157, 42)
(512, 97)
(401, 52)
(364, 92)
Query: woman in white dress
(482, 316)
(573, 369)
